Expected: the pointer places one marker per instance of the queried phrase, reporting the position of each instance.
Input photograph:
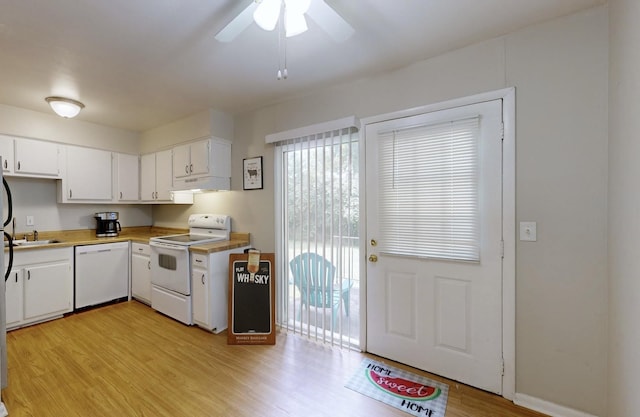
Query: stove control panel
(210, 221)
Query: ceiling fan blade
(237, 25)
(329, 20)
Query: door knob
(373, 258)
(374, 242)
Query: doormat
(417, 395)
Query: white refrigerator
(5, 207)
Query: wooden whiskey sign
(251, 299)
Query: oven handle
(157, 244)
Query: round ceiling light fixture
(65, 107)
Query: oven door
(170, 267)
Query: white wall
(560, 69)
(624, 209)
(32, 124)
(37, 197)
(203, 124)
(560, 72)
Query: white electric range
(171, 264)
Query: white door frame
(508, 220)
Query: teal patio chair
(314, 276)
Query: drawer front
(199, 260)
(140, 248)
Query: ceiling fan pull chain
(282, 43)
(280, 24)
(285, 72)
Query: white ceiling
(138, 64)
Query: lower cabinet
(209, 289)
(141, 272)
(40, 286)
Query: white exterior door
(430, 306)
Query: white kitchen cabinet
(47, 289)
(199, 289)
(148, 177)
(191, 159)
(156, 179)
(127, 177)
(209, 289)
(163, 176)
(141, 272)
(204, 164)
(88, 176)
(155, 176)
(6, 152)
(14, 298)
(36, 158)
(40, 286)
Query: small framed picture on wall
(252, 173)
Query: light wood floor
(128, 360)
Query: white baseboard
(547, 407)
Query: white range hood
(204, 183)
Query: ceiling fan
(267, 13)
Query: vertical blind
(318, 213)
(428, 191)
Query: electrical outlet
(30, 221)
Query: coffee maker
(107, 224)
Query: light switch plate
(30, 221)
(528, 231)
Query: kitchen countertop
(142, 234)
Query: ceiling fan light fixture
(294, 23)
(65, 107)
(267, 13)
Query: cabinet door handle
(28, 275)
(202, 279)
(16, 277)
(18, 165)
(149, 265)
(70, 194)
(191, 168)
(121, 195)
(6, 165)
(186, 169)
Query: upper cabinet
(191, 159)
(6, 153)
(127, 177)
(156, 179)
(153, 178)
(30, 157)
(36, 158)
(88, 176)
(204, 164)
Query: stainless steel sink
(34, 242)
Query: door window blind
(428, 184)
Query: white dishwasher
(101, 273)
